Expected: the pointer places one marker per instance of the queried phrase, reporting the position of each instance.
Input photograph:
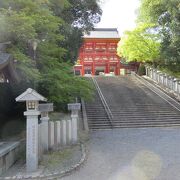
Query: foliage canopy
(140, 44)
(165, 16)
(45, 37)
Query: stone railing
(60, 134)
(167, 81)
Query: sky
(118, 14)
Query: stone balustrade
(59, 135)
(171, 83)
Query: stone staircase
(96, 114)
(134, 105)
(144, 116)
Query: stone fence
(169, 82)
(56, 135)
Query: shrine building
(98, 53)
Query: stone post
(174, 84)
(158, 76)
(146, 67)
(74, 107)
(32, 98)
(44, 133)
(63, 132)
(69, 131)
(31, 140)
(150, 74)
(74, 118)
(40, 150)
(178, 87)
(51, 135)
(166, 80)
(45, 109)
(57, 133)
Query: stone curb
(55, 174)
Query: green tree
(166, 15)
(142, 44)
(79, 17)
(44, 22)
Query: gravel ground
(132, 154)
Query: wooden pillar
(117, 69)
(82, 70)
(107, 69)
(93, 69)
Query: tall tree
(40, 46)
(141, 44)
(79, 17)
(166, 15)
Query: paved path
(132, 154)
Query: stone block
(63, 132)
(74, 129)
(57, 133)
(69, 131)
(51, 134)
(32, 137)
(44, 135)
(40, 150)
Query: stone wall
(9, 154)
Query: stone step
(147, 116)
(96, 115)
(147, 125)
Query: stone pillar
(178, 87)
(32, 140)
(154, 74)
(174, 84)
(51, 135)
(63, 133)
(170, 82)
(158, 76)
(69, 131)
(74, 117)
(57, 133)
(166, 81)
(44, 133)
(40, 149)
(32, 98)
(45, 109)
(151, 74)
(74, 107)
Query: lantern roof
(30, 95)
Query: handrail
(106, 107)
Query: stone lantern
(32, 98)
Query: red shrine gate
(98, 53)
